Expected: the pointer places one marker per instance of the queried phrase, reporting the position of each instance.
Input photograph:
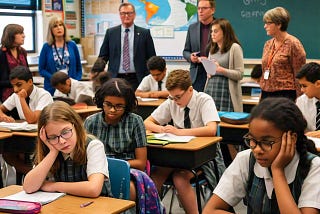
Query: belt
(126, 74)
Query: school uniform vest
(257, 199)
(72, 172)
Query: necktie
(126, 53)
(159, 85)
(187, 122)
(318, 115)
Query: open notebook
(39, 196)
(166, 138)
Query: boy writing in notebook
(29, 100)
(153, 85)
(308, 103)
(79, 91)
(192, 113)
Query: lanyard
(61, 59)
(273, 52)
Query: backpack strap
(252, 161)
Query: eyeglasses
(109, 106)
(265, 145)
(126, 13)
(203, 8)
(178, 97)
(65, 134)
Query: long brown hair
(229, 37)
(61, 111)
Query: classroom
(157, 106)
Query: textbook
(39, 196)
(237, 118)
(166, 138)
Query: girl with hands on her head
(278, 174)
(63, 147)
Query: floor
(176, 209)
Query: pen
(86, 204)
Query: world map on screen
(177, 13)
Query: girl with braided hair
(279, 174)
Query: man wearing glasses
(197, 40)
(192, 113)
(127, 48)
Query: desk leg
(197, 190)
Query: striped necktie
(187, 122)
(126, 52)
(318, 115)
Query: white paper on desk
(315, 140)
(147, 99)
(40, 196)
(209, 65)
(24, 126)
(173, 138)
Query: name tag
(266, 74)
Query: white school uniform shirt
(232, 185)
(77, 88)
(39, 98)
(148, 83)
(202, 111)
(309, 110)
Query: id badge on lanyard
(266, 74)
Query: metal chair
(119, 173)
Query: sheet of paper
(147, 99)
(209, 66)
(40, 196)
(173, 138)
(24, 126)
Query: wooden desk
(89, 110)
(4, 135)
(145, 108)
(231, 134)
(188, 156)
(249, 102)
(71, 204)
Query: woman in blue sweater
(59, 53)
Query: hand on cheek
(286, 152)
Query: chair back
(119, 173)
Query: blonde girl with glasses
(280, 173)
(66, 158)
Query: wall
(246, 18)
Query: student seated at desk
(309, 102)
(76, 90)
(29, 100)
(278, 174)
(192, 113)
(256, 73)
(67, 159)
(153, 85)
(98, 75)
(124, 136)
